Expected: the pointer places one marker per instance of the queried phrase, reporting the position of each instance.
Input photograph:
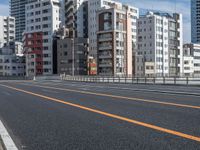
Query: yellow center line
(117, 97)
(139, 123)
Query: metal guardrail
(15, 78)
(47, 77)
(135, 80)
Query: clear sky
(180, 6)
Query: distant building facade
(42, 20)
(191, 60)
(17, 10)
(76, 16)
(7, 29)
(10, 63)
(116, 40)
(93, 7)
(160, 40)
(19, 50)
(195, 21)
(72, 56)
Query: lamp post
(84, 45)
(73, 61)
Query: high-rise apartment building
(7, 29)
(160, 41)
(17, 10)
(93, 7)
(195, 21)
(116, 39)
(76, 16)
(42, 20)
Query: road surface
(61, 115)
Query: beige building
(149, 69)
(116, 40)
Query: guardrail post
(119, 80)
(137, 80)
(154, 80)
(187, 80)
(174, 80)
(113, 79)
(163, 80)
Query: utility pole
(73, 62)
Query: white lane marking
(131, 89)
(49, 91)
(6, 93)
(123, 88)
(7, 140)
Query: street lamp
(73, 62)
(73, 53)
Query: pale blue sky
(180, 6)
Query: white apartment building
(17, 10)
(116, 39)
(160, 40)
(188, 60)
(76, 16)
(7, 29)
(19, 50)
(42, 20)
(191, 59)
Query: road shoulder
(6, 139)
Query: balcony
(105, 47)
(105, 63)
(105, 55)
(105, 37)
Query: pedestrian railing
(134, 80)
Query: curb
(7, 142)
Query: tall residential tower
(116, 40)
(195, 21)
(42, 20)
(17, 10)
(76, 16)
(160, 41)
(7, 29)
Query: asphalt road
(55, 115)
